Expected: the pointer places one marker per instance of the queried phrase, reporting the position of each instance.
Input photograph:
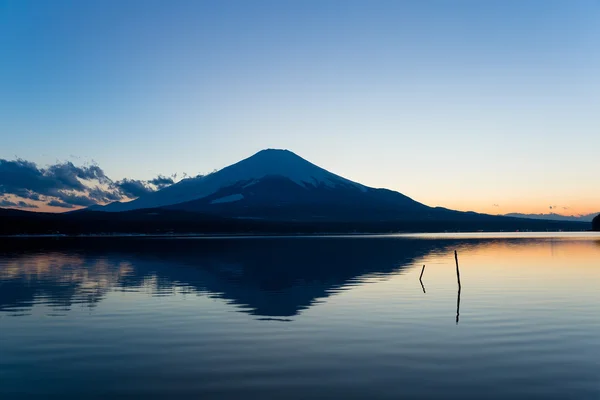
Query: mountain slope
(277, 197)
(555, 217)
(265, 163)
(277, 184)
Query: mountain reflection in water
(268, 277)
(300, 317)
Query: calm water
(300, 318)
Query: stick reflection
(458, 305)
(459, 287)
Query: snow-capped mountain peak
(284, 163)
(265, 163)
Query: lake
(301, 317)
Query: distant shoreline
(168, 223)
(465, 234)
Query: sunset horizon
(480, 106)
(125, 189)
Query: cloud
(19, 176)
(57, 203)
(104, 196)
(495, 205)
(133, 188)
(74, 199)
(23, 193)
(162, 181)
(22, 204)
(66, 185)
(18, 204)
(28, 194)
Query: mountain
(274, 191)
(554, 217)
(279, 185)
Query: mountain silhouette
(596, 223)
(555, 217)
(280, 185)
(275, 192)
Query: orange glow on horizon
(527, 207)
(566, 206)
(493, 210)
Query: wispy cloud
(66, 185)
(133, 188)
(18, 204)
(163, 181)
(58, 203)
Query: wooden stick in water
(459, 288)
(421, 280)
(457, 270)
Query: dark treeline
(168, 221)
(596, 223)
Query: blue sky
(476, 105)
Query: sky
(489, 106)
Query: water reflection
(272, 278)
(267, 277)
(139, 320)
(458, 305)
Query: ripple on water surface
(301, 317)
